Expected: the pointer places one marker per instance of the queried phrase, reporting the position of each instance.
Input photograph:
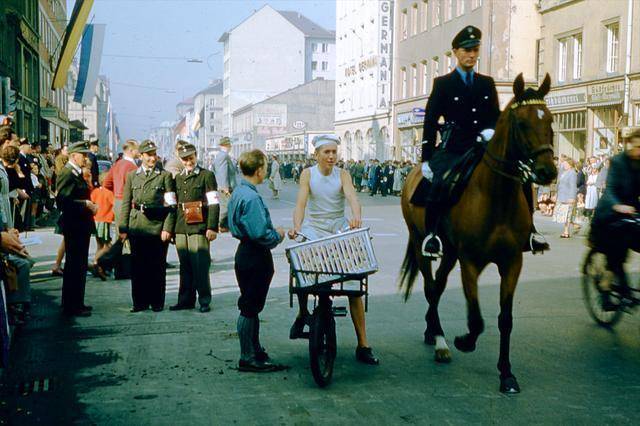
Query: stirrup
(430, 255)
(537, 234)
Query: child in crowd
(250, 222)
(104, 218)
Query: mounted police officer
(196, 226)
(147, 220)
(464, 108)
(77, 224)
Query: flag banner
(90, 57)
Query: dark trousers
(75, 269)
(618, 239)
(148, 271)
(254, 271)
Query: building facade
(54, 104)
(591, 50)
(19, 53)
(97, 117)
(269, 52)
(308, 108)
(422, 48)
(363, 110)
(208, 107)
(163, 137)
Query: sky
(176, 29)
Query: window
(636, 121)
(403, 24)
(449, 62)
(414, 80)
(448, 10)
(425, 15)
(476, 4)
(425, 77)
(325, 47)
(539, 58)
(325, 66)
(613, 45)
(435, 67)
(414, 19)
(577, 56)
(563, 45)
(403, 88)
(212, 115)
(314, 47)
(460, 7)
(435, 13)
(314, 65)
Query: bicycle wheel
(322, 345)
(594, 277)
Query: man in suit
(76, 222)
(94, 147)
(468, 104)
(147, 218)
(116, 177)
(225, 171)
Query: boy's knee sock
(246, 335)
(257, 347)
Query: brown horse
(489, 224)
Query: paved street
(178, 368)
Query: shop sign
(565, 100)
(411, 118)
(28, 35)
(608, 93)
(385, 38)
(299, 124)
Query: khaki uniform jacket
(148, 203)
(199, 185)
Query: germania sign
(384, 55)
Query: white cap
(321, 140)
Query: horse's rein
(524, 168)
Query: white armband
(212, 198)
(170, 198)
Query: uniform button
(486, 97)
(456, 98)
(473, 110)
(475, 121)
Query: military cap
(186, 150)
(24, 141)
(225, 141)
(467, 38)
(94, 142)
(79, 147)
(147, 146)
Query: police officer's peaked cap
(148, 146)
(225, 141)
(467, 38)
(186, 150)
(79, 147)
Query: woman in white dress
(591, 199)
(274, 178)
(398, 179)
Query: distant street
(179, 367)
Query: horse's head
(532, 135)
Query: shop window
(605, 127)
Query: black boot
(432, 245)
(536, 242)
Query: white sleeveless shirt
(325, 210)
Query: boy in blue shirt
(249, 222)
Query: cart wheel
(595, 275)
(322, 345)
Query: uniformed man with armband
(147, 220)
(197, 216)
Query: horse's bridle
(526, 158)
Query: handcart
(338, 265)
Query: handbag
(9, 274)
(193, 212)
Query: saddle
(447, 189)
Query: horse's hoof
(443, 356)
(429, 339)
(509, 386)
(464, 343)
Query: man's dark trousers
(75, 269)
(148, 271)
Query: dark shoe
(138, 309)
(432, 246)
(537, 243)
(157, 308)
(180, 307)
(77, 313)
(205, 308)
(297, 329)
(262, 356)
(99, 272)
(255, 366)
(365, 356)
(87, 308)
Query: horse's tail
(408, 271)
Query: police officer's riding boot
(536, 242)
(432, 245)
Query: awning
(51, 115)
(72, 36)
(77, 124)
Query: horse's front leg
(509, 273)
(433, 289)
(475, 323)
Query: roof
(188, 101)
(215, 88)
(306, 25)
